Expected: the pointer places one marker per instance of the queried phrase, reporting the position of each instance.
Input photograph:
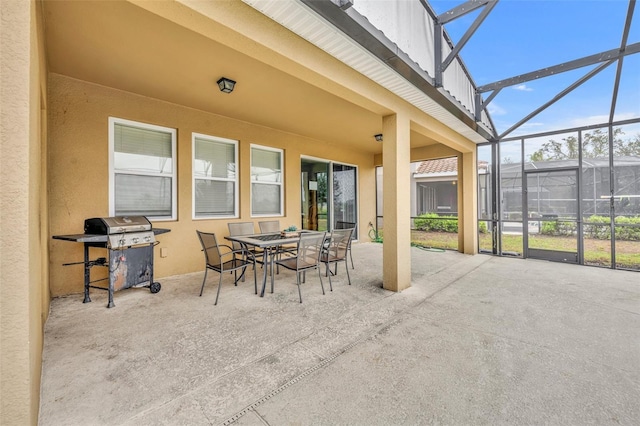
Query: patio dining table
(269, 244)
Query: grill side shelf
(98, 238)
(82, 238)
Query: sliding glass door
(329, 195)
(345, 206)
(315, 178)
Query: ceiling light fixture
(378, 137)
(226, 85)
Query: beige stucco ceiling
(120, 45)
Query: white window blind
(134, 140)
(266, 182)
(142, 168)
(214, 177)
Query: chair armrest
(228, 250)
(243, 251)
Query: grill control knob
(147, 238)
(135, 240)
(121, 241)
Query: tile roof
(444, 165)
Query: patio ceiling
(125, 47)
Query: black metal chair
(309, 250)
(215, 260)
(348, 225)
(336, 251)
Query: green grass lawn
(596, 252)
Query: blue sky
(520, 36)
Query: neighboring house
(555, 196)
(434, 186)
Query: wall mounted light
(226, 85)
(378, 137)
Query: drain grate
(293, 381)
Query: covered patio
(474, 340)
(113, 109)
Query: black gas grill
(129, 242)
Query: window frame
(174, 168)
(236, 180)
(280, 184)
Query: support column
(21, 303)
(396, 255)
(468, 203)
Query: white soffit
(299, 19)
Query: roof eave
(419, 90)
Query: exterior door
(315, 200)
(552, 220)
(344, 196)
(329, 195)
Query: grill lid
(116, 225)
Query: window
(215, 177)
(266, 182)
(142, 173)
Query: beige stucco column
(396, 209)
(468, 201)
(21, 306)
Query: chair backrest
(210, 247)
(345, 225)
(339, 243)
(309, 249)
(240, 228)
(269, 226)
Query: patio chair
(272, 227)
(269, 226)
(244, 228)
(215, 255)
(336, 251)
(348, 225)
(308, 257)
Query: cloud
(523, 88)
(600, 119)
(495, 109)
(532, 124)
(529, 128)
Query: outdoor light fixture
(226, 85)
(378, 137)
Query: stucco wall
(79, 174)
(24, 299)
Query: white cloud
(528, 128)
(532, 124)
(599, 119)
(495, 109)
(523, 88)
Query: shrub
(549, 228)
(596, 229)
(558, 228)
(436, 223)
(482, 227)
(628, 233)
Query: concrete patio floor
(476, 340)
